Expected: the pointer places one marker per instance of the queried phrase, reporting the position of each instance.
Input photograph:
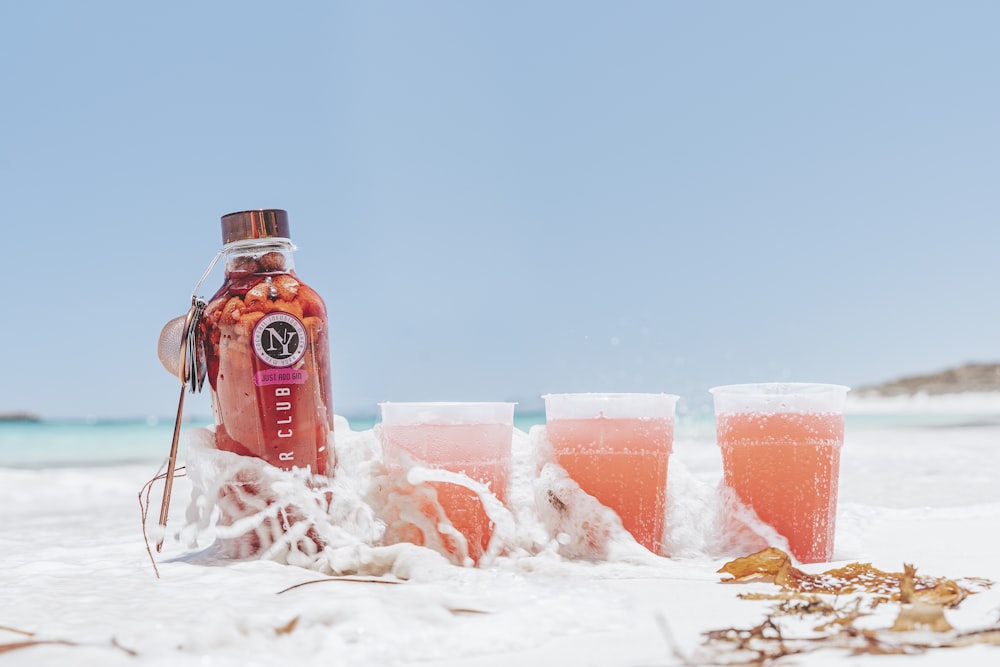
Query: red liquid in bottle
(268, 359)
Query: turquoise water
(82, 443)
(85, 443)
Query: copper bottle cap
(260, 224)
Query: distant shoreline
(963, 403)
(19, 417)
(971, 378)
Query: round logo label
(279, 339)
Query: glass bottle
(267, 349)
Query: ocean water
(65, 443)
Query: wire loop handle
(191, 371)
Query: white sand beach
(78, 586)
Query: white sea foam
(350, 523)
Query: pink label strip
(280, 376)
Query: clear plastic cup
(781, 446)
(469, 438)
(617, 447)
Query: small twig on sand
(7, 628)
(147, 491)
(352, 579)
(671, 641)
(14, 646)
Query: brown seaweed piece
(774, 565)
(920, 624)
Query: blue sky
(499, 200)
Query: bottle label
(283, 376)
(279, 339)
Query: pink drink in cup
(781, 455)
(469, 438)
(616, 447)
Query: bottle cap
(260, 224)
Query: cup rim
(779, 397)
(447, 412)
(612, 405)
(776, 389)
(610, 395)
(446, 403)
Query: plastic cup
(616, 447)
(469, 438)
(781, 455)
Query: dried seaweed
(287, 628)
(774, 565)
(834, 601)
